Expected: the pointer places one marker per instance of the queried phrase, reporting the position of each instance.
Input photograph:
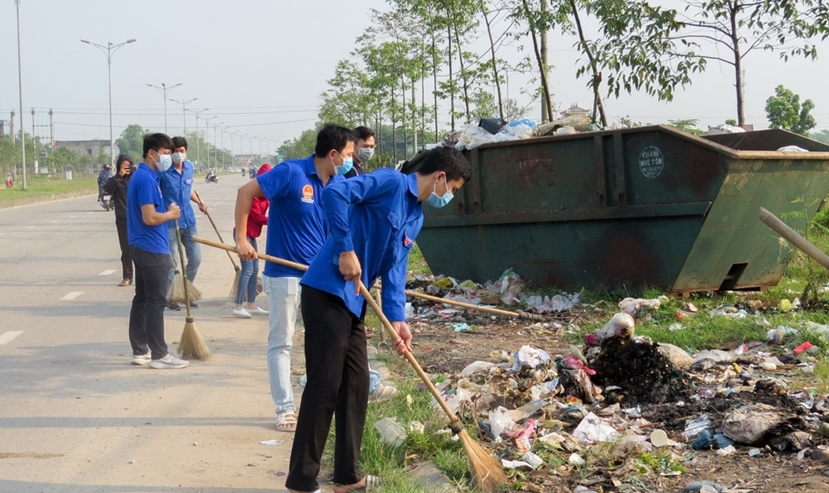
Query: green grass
(41, 185)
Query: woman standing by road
(117, 187)
(250, 268)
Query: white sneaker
(241, 313)
(141, 359)
(168, 362)
(258, 311)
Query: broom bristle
(176, 292)
(234, 287)
(191, 344)
(193, 293)
(487, 473)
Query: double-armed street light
(164, 90)
(109, 49)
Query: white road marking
(107, 272)
(53, 221)
(1, 234)
(29, 227)
(7, 337)
(72, 217)
(72, 295)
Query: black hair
(333, 136)
(363, 133)
(449, 160)
(179, 142)
(156, 142)
(122, 158)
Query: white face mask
(178, 157)
(164, 163)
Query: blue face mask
(348, 163)
(441, 201)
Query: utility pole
(51, 130)
(543, 34)
(34, 142)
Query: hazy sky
(260, 66)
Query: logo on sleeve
(407, 242)
(308, 194)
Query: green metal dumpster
(649, 206)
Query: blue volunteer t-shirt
(176, 187)
(296, 223)
(378, 217)
(144, 189)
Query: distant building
(574, 110)
(85, 147)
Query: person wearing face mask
(363, 150)
(147, 215)
(373, 221)
(177, 186)
(296, 232)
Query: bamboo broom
(487, 472)
(191, 345)
(234, 288)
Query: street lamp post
(216, 142)
(108, 50)
(198, 144)
(164, 90)
(20, 93)
(184, 111)
(207, 135)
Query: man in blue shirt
(296, 232)
(177, 186)
(147, 236)
(374, 220)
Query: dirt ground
(442, 350)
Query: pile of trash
(490, 130)
(628, 393)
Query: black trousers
(337, 366)
(147, 313)
(126, 258)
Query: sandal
(125, 282)
(372, 486)
(286, 421)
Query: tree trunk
(464, 75)
(494, 64)
(414, 119)
(403, 116)
(738, 65)
(596, 76)
(545, 115)
(435, 81)
(545, 88)
(451, 80)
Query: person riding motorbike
(105, 174)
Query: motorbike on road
(211, 179)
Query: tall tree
(132, 141)
(732, 29)
(785, 111)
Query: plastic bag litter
(696, 426)
(477, 367)
(529, 357)
(391, 432)
(792, 148)
(780, 333)
(500, 420)
(724, 129)
(515, 464)
(509, 285)
(594, 429)
(748, 424)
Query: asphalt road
(75, 416)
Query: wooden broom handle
(454, 422)
(217, 231)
